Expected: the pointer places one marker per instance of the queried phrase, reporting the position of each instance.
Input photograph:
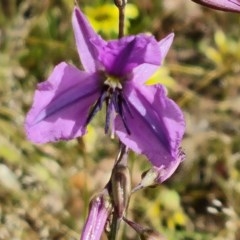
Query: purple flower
(224, 5)
(143, 117)
(100, 208)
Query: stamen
(120, 106)
(126, 105)
(108, 114)
(115, 104)
(116, 101)
(96, 107)
(112, 134)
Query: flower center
(115, 104)
(113, 82)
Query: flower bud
(120, 3)
(121, 188)
(157, 175)
(99, 209)
(223, 5)
(149, 179)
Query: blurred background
(45, 189)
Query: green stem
(121, 9)
(121, 21)
(123, 151)
(114, 227)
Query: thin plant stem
(122, 155)
(121, 21)
(122, 160)
(123, 150)
(121, 10)
(114, 227)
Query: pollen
(113, 82)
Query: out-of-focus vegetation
(45, 189)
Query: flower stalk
(121, 9)
(121, 189)
(145, 233)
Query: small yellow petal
(179, 218)
(221, 41)
(162, 76)
(131, 11)
(104, 18)
(214, 55)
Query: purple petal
(165, 173)
(156, 123)
(165, 44)
(223, 5)
(157, 175)
(84, 33)
(120, 57)
(143, 72)
(61, 105)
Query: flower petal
(223, 5)
(61, 105)
(165, 44)
(143, 72)
(165, 173)
(157, 175)
(84, 33)
(120, 57)
(156, 123)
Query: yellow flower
(104, 18)
(162, 76)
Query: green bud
(157, 175)
(149, 179)
(120, 3)
(121, 188)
